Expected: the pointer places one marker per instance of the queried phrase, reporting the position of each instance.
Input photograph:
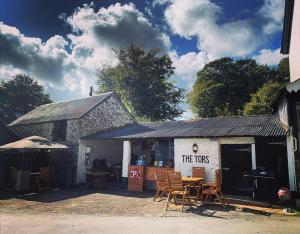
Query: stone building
(66, 122)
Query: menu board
(135, 178)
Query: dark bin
(264, 185)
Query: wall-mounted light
(88, 149)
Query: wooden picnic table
(97, 178)
(192, 179)
(193, 182)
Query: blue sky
(62, 43)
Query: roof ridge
(236, 116)
(53, 103)
(31, 117)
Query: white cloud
(269, 57)
(117, 25)
(160, 2)
(201, 19)
(47, 60)
(273, 12)
(189, 18)
(67, 68)
(186, 67)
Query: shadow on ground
(115, 200)
(60, 194)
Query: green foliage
(260, 102)
(282, 72)
(223, 86)
(142, 81)
(22, 94)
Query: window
(60, 130)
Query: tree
(224, 86)
(282, 72)
(142, 81)
(261, 101)
(22, 94)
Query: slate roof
(74, 109)
(264, 125)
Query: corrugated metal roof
(73, 109)
(264, 125)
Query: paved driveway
(60, 223)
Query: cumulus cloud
(160, 2)
(67, 66)
(47, 60)
(186, 67)
(273, 12)
(269, 57)
(117, 25)
(201, 19)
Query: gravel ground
(111, 202)
(70, 223)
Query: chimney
(91, 91)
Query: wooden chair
(161, 183)
(42, 180)
(176, 189)
(213, 189)
(200, 173)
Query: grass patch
(297, 211)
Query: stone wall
(109, 114)
(37, 129)
(73, 130)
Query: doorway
(236, 164)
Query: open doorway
(236, 169)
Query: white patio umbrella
(32, 142)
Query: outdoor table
(192, 179)
(97, 178)
(192, 182)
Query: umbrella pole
(17, 155)
(23, 159)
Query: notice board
(135, 178)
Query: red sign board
(135, 178)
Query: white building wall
(291, 163)
(294, 54)
(126, 157)
(283, 111)
(208, 156)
